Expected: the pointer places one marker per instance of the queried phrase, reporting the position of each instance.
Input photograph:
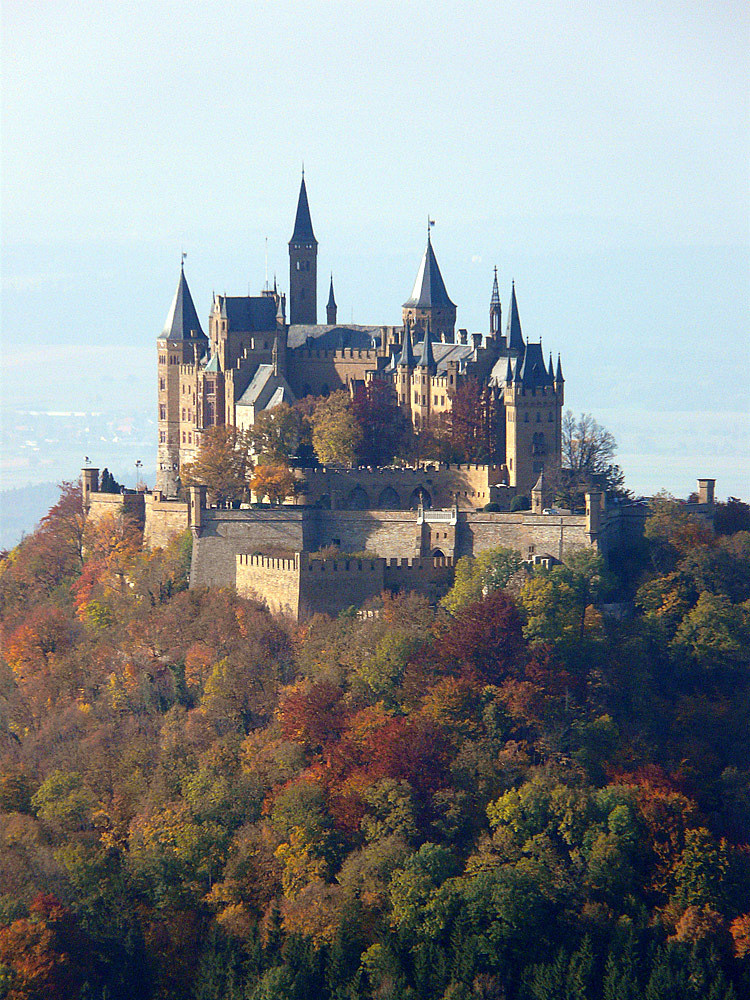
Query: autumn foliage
(517, 794)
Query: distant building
(253, 358)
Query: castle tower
(428, 306)
(181, 345)
(331, 307)
(303, 264)
(496, 313)
(533, 398)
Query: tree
(222, 464)
(273, 481)
(336, 432)
(472, 422)
(588, 451)
(383, 425)
(275, 434)
(477, 577)
(731, 517)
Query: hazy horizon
(596, 156)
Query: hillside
(538, 789)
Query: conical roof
(427, 358)
(513, 335)
(407, 351)
(182, 322)
(429, 288)
(559, 374)
(303, 230)
(331, 299)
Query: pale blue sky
(597, 153)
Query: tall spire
(182, 321)
(303, 230)
(495, 300)
(495, 309)
(513, 334)
(429, 288)
(558, 374)
(331, 306)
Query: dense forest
(538, 789)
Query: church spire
(303, 230)
(513, 335)
(331, 306)
(427, 358)
(303, 265)
(495, 309)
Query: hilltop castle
(255, 358)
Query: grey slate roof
(333, 338)
(253, 313)
(213, 364)
(407, 351)
(513, 335)
(426, 357)
(266, 389)
(182, 321)
(303, 230)
(445, 353)
(558, 373)
(429, 288)
(331, 300)
(534, 374)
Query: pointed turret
(513, 335)
(182, 321)
(303, 264)
(303, 230)
(429, 303)
(509, 373)
(495, 309)
(427, 358)
(551, 368)
(407, 352)
(558, 374)
(331, 306)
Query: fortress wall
(391, 534)
(274, 581)
(101, 504)
(164, 520)
(529, 534)
(225, 534)
(329, 586)
(469, 484)
(431, 577)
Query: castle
(410, 524)
(254, 359)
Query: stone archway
(358, 499)
(389, 499)
(438, 554)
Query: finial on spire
(183, 255)
(430, 224)
(303, 170)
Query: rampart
(395, 488)
(302, 586)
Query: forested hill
(530, 792)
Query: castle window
(442, 400)
(183, 413)
(162, 437)
(550, 418)
(436, 401)
(162, 412)
(183, 437)
(190, 438)
(162, 383)
(416, 397)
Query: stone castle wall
(397, 488)
(302, 586)
(163, 520)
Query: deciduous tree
(222, 464)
